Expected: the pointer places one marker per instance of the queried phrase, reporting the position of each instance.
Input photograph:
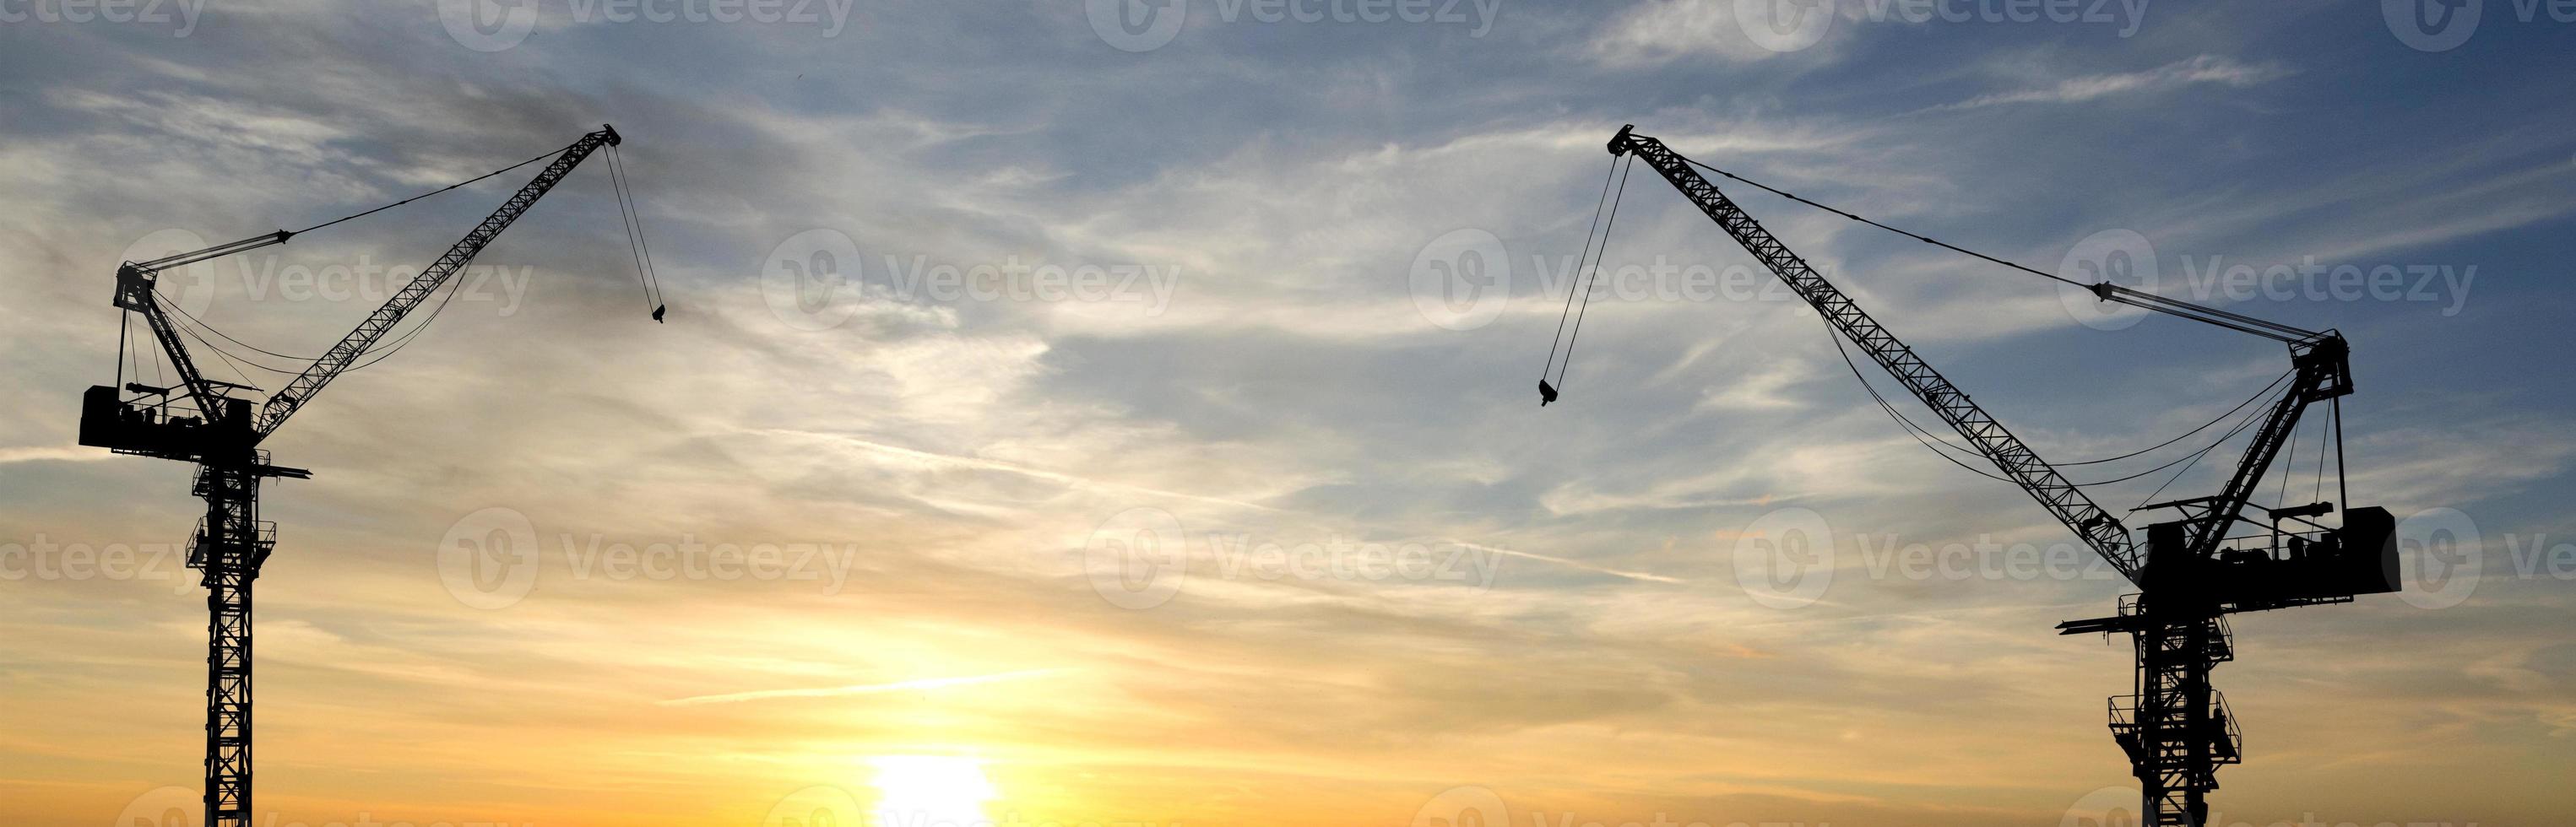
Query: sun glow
(930, 791)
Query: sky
(1121, 412)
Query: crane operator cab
(2301, 563)
(155, 424)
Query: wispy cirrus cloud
(2201, 69)
(914, 685)
(1292, 392)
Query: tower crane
(2191, 571)
(202, 421)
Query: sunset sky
(1085, 412)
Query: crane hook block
(657, 312)
(1546, 393)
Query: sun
(930, 791)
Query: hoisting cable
(189, 325)
(2196, 456)
(226, 359)
(633, 219)
(2139, 298)
(2104, 291)
(1910, 427)
(1598, 204)
(387, 351)
(2250, 418)
(626, 222)
(383, 348)
(380, 352)
(157, 379)
(1936, 442)
(166, 302)
(183, 313)
(2267, 389)
(2289, 465)
(2221, 318)
(2322, 432)
(1925, 239)
(1546, 392)
(352, 216)
(2343, 494)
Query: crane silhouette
(2191, 571)
(201, 421)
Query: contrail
(1632, 575)
(67, 453)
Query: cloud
(2201, 69)
(1292, 393)
(1647, 34)
(69, 453)
(915, 685)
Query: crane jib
(2175, 728)
(346, 351)
(220, 433)
(2060, 496)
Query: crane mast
(221, 434)
(2191, 573)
